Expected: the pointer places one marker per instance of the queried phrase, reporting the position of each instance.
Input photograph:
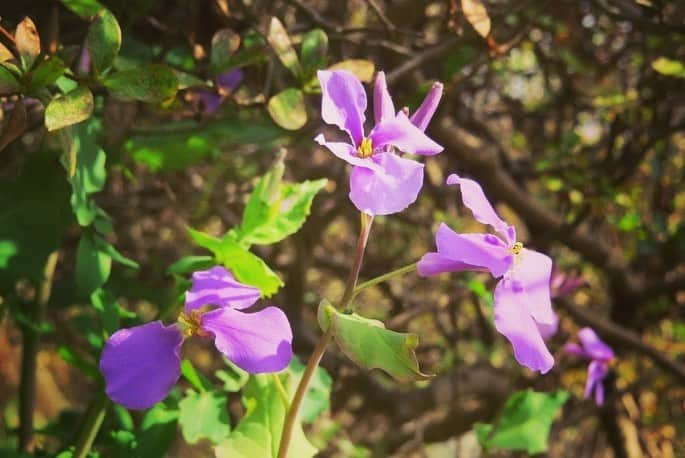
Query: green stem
(320, 349)
(385, 277)
(91, 425)
(281, 391)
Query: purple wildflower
(381, 182)
(208, 101)
(141, 364)
(564, 284)
(523, 309)
(600, 355)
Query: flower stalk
(91, 425)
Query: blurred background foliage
(570, 114)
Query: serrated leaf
(225, 43)
(313, 52)
(28, 42)
(104, 40)
(108, 308)
(45, 73)
(287, 109)
(248, 268)
(368, 343)
(92, 265)
(525, 422)
(71, 108)
(153, 83)
(669, 67)
(203, 416)
(9, 84)
(279, 40)
(477, 15)
(361, 68)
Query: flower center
(516, 249)
(190, 323)
(365, 148)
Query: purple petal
(547, 330)
(256, 342)
(141, 364)
(594, 346)
(482, 251)
(575, 350)
(343, 102)
(533, 271)
(383, 108)
(217, 286)
(347, 153)
(389, 189)
(515, 323)
(206, 101)
(402, 134)
(474, 199)
(596, 371)
(436, 263)
(229, 80)
(423, 115)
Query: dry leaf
(477, 15)
(5, 54)
(28, 41)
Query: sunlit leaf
(287, 109)
(361, 68)
(68, 109)
(203, 415)
(84, 8)
(28, 42)
(104, 40)
(669, 67)
(280, 42)
(477, 15)
(153, 83)
(5, 54)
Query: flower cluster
(142, 364)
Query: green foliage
(317, 399)
(108, 309)
(525, 422)
(9, 84)
(669, 67)
(280, 42)
(93, 265)
(368, 343)
(203, 415)
(153, 83)
(313, 53)
(83, 8)
(234, 378)
(104, 41)
(89, 173)
(71, 108)
(44, 74)
(225, 43)
(287, 109)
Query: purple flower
(141, 364)
(523, 309)
(600, 355)
(381, 182)
(208, 101)
(564, 284)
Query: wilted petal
(594, 346)
(596, 371)
(481, 251)
(436, 263)
(402, 134)
(515, 323)
(389, 189)
(343, 102)
(217, 286)
(425, 112)
(141, 364)
(474, 199)
(256, 342)
(533, 271)
(347, 153)
(383, 108)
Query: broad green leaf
(71, 108)
(669, 67)
(9, 84)
(203, 415)
(153, 83)
(158, 431)
(317, 399)
(259, 431)
(189, 264)
(313, 52)
(247, 267)
(89, 173)
(104, 40)
(361, 68)
(197, 380)
(225, 42)
(27, 41)
(287, 109)
(45, 74)
(279, 40)
(368, 343)
(92, 265)
(108, 308)
(525, 422)
(83, 8)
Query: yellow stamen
(190, 323)
(516, 249)
(365, 149)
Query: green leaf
(89, 174)
(9, 84)
(199, 382)
(669, 67)
(203, 415)
(276, 210)
(108, 308)
(525, 422)
(71, 108)
(361, 68)
(313, 53)
(45, 74)
(234, 378)
(79, 362)
(259, 431)
(158, 431)
(247, 267)
(317, 399)
(27, 41)
(279, 40)
(92, 265)
(368, 343)
(225, 43)
(188, 264)
(153, 83)
(287, 109)
(104, 40)
(84, 8)
(113, 253)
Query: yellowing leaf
(28, 42)
(361, 68)
(280, 42)
(477, 15)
